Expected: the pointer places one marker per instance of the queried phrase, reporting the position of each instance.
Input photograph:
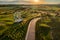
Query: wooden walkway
(31, 30)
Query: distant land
(10, 5)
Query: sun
(36, 0)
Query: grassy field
(47, 28)
(14, 31)
(9, 30)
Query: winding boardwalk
(31, 30)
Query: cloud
(28, 1)
(14, 2)
(7, 0)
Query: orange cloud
(39, 2)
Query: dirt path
(31, 30)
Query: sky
(29, 1)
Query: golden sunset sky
(29, 1)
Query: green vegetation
(47, 28)
(9, 30)
(43, 30)
(50, 18)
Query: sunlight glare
(36, 0)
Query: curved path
(31, 29)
